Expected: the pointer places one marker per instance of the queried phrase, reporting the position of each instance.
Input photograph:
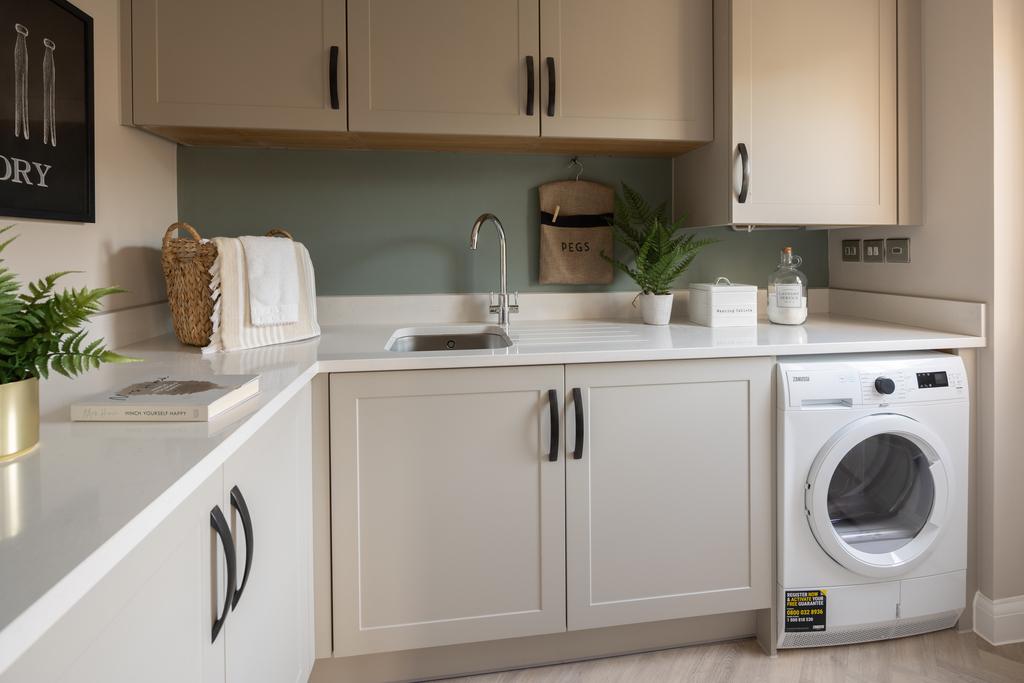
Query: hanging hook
(575, 161)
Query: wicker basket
(186, 264)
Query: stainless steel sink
(412, 339)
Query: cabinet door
(627, 71)
(448, 518)
(238, 64)
(150, 618)
(270, 631)
(814, 102)
(447, 66)
(668, 510)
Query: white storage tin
(723, 304)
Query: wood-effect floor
(935, 657)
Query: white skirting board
(1001, 621)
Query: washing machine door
(877, 495)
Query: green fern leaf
(660, 256)
(41, 329)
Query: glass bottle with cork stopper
(787, 291)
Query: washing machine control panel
(822, 384)
(911, 386)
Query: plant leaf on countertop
(40, 330)
(659, 255)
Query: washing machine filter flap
(877, 494)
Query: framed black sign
(47, 154)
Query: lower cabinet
(448, 517)
(163, 614)
(668, 501)
(150, 618)
(268, 495)
(478, 504)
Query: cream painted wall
(1008, 310)
(952, 251)
(136, 195)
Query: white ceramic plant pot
(656, 309)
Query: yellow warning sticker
(805, 610)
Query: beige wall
(971, 244)
(136, 196)
(952, 251)
(1008, 313)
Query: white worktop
(361, 347)
(73, 508)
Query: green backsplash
(399, 222)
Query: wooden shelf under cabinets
(293, 139)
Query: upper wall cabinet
(613, 69)
(525, 75)
(812, 127)
(452, 67)
(239, 64)
(595, 69)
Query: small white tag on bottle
(789, 296)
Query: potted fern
(659, 255)
(40, 332)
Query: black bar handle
(555, 428)
(220, 525)
(238, 502)
(577, 403)
(745, 183)
(333, 78)
(530, 95)
(551, 85)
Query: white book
(168, 399)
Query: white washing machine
(873, 457)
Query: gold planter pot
(19, 417)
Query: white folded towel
(273, 280)
(232, 326)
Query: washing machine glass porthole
(881, 494)
(878, 494)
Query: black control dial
(884, 385)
